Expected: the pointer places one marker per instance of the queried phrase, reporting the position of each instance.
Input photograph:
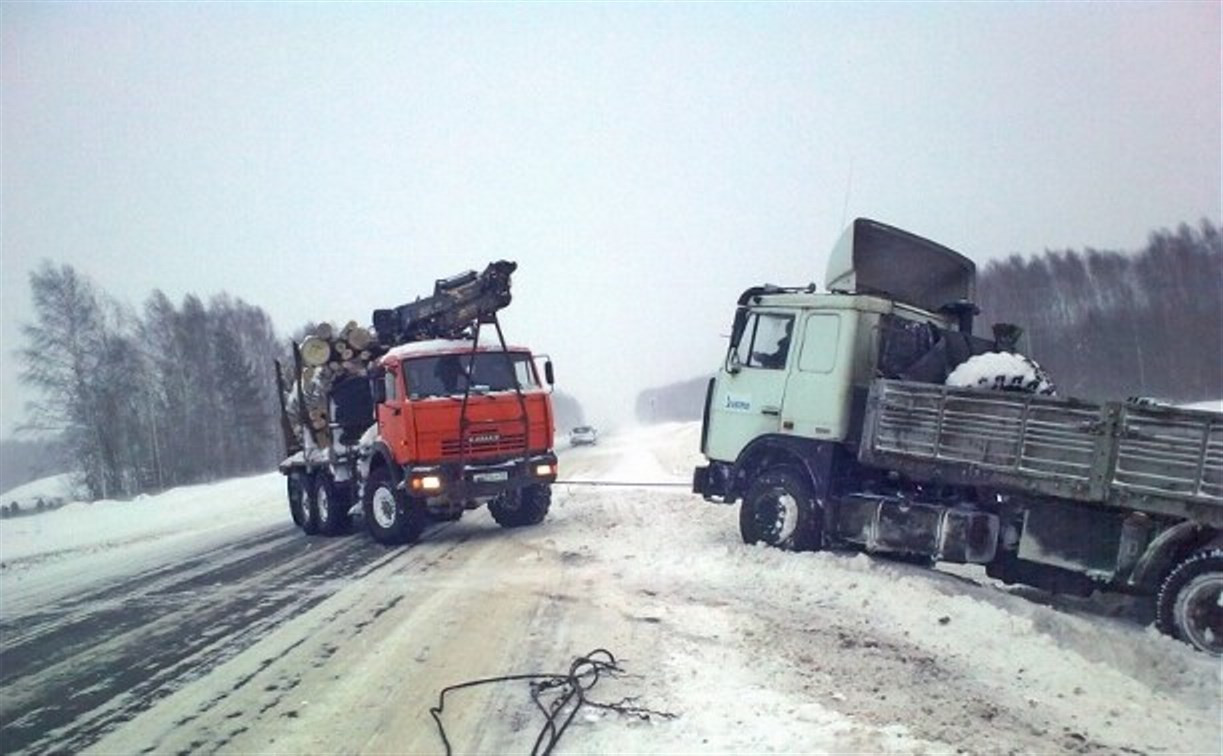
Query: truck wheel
(1190, 602)
(390, 515)
(297, 495)
(1002, 371)
(330, 507)
(780, 510)
(526, 506)
(304, 513)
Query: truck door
(818, 392)
(747, 395)
(393, 422)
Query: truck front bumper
(712, 482)
(479, 480)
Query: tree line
(143, 401)
(1110, 325)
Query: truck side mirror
(733, 365)
(548, 375)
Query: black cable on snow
(619, 484)
(570, 696)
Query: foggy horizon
(642, 164)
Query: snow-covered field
(288, 644)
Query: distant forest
(1111, 325)
(134, 402)
(1104, 324)
(143, 401)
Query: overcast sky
(642, 163)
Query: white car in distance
(583, 434)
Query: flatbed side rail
(1158, 459)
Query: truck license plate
(490, 477)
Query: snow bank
(843, 630)
(45, 556)
(55, 487)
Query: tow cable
(568, 697)
(619, 484)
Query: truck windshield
(445, 375)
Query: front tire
(390, 515)
(1190, 602)
(525, 506)
(780, 510)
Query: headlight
(545, 470)
(426, 483)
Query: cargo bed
(1160, 460)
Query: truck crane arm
(457, 302)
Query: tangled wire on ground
(569, 691)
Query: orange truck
(420, 419)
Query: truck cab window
(820, 339)
(765, 342)
(389, 381)
(525, 373)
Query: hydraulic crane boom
(457, 302)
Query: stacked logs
(328, 356)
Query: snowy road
(183, 634)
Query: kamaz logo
(484, 438)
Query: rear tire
(391, 516)
(297, 493)
(780, 510)
(525, 506)
(1190, 602)
(330, 507)
(304, 513)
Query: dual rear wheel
(317, 505)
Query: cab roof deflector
(875, 258)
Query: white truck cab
(800, 361)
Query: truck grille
(485, 444)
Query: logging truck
(426, 415)
(870, 417)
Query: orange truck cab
(458, 427)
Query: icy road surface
(201, 621)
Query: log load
(327, 357)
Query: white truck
(831, 421)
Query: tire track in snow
(75, 670)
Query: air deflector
(875, 258)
